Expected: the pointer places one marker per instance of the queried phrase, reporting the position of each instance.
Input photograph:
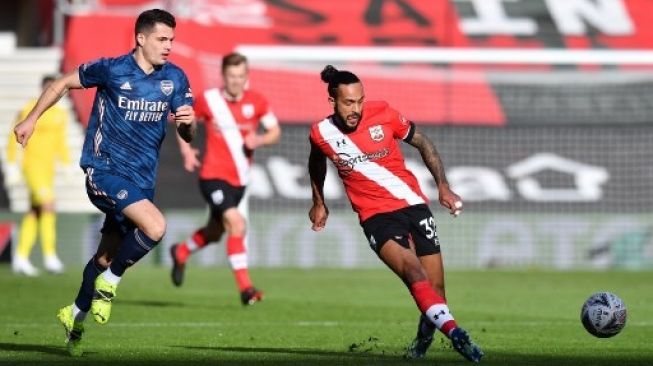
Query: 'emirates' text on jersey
(129, 117)
(228, 122)
(369, 160)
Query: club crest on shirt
(376, 133)
(248, 110)
(122, 194)
(167, 86)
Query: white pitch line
(191, 324)
(316, 323)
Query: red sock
(238, 261)
(182, 252)
(433, 306)
(199, 239)
(195, 242)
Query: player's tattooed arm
(432, 160)
(319, 212)
(431, 157)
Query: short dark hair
(233, 59)
(47, 79)
(335, 77)
(148, 19)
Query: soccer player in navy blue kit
(136, 93)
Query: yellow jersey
(48, 143)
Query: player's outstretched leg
(74, 330)
(135, 245)
(250, 296)
(237, 255)
(436, 310)
(178, 265)
(425, 333)
(463, 344)
(180, 252)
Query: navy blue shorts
(412, 223)
(111, 194)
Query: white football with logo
(603, 314)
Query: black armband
(411, 133)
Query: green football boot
(74, 331)
(101, 304)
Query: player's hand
(318, 215)
(253, 140)
(184, 115)
(23, 131)
(451, 201)
(191, 160)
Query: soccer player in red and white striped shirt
(360, 139)
(232, 116)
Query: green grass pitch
(324, 317)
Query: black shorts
(414, 223)
(220, 195)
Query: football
(603, 314)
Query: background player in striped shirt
(135, 95)
(360, 138)
(232, 115)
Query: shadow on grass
(267, 356)
(312, 353)
(302, 356)
(152, 303)
(33, 348)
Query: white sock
(78, 314)
(439, 314)
(191, 244)
(111, 277)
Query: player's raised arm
(432, 160)
(48, 98)
(271, 136)
(317, 172)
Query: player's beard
(342, 123)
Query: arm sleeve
(94, 73)
(402, 128)
(201, 109)
(268, 119)
(183, 95)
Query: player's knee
(237, 226)
(155, 229)
(102, 262)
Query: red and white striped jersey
(228, 121)
(369, 160)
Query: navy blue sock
(85, 294)
(134, 247)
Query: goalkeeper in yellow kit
(47, 147)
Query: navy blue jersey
(129, 117)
